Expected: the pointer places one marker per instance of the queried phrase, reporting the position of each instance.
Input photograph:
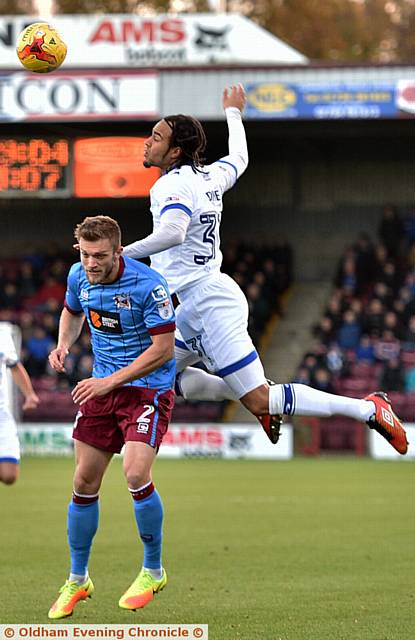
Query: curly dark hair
(188, 134)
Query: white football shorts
(9, 442)
(212, 321)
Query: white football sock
(74, 577)
(156, 573)
(301, 400)
(196, 384)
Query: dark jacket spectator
(409, 227)
(391, 323)
(9, 297)
(334, 311)
(324, 331)
(392, 376)
(391, 230)
(409, 335)
(373, 318)
(365, 261)
(321, 380)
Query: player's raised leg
(226, 352)
(301, 400)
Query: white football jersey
(8, 358)
(199, 195)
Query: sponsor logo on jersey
(105, 321)
(122, 301)
(159, 293)
(173, 199)
(84, 295)
(165, 309)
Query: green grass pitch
(312, 549)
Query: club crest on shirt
(84, 295)
(122, 301)
(159, 293)
(165, 309)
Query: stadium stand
(32, 289)
(365, 339)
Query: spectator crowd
(365, 339)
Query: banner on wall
(277, 100)
(106, 95)
(128, 40)
(228, 441)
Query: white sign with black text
(79, 96)
(182, 440)
(128, 40)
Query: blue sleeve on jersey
(230, 165)
(182, 207)
(72, 297)
(158, 308)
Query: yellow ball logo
(272, 98)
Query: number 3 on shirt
(210, 220)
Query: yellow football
(40, 48)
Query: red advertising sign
(111, 167)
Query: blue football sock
(82, 526)
(149, 517)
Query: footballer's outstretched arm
(22, 379)
(170, 232)
(234, 100)
(174, 222)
